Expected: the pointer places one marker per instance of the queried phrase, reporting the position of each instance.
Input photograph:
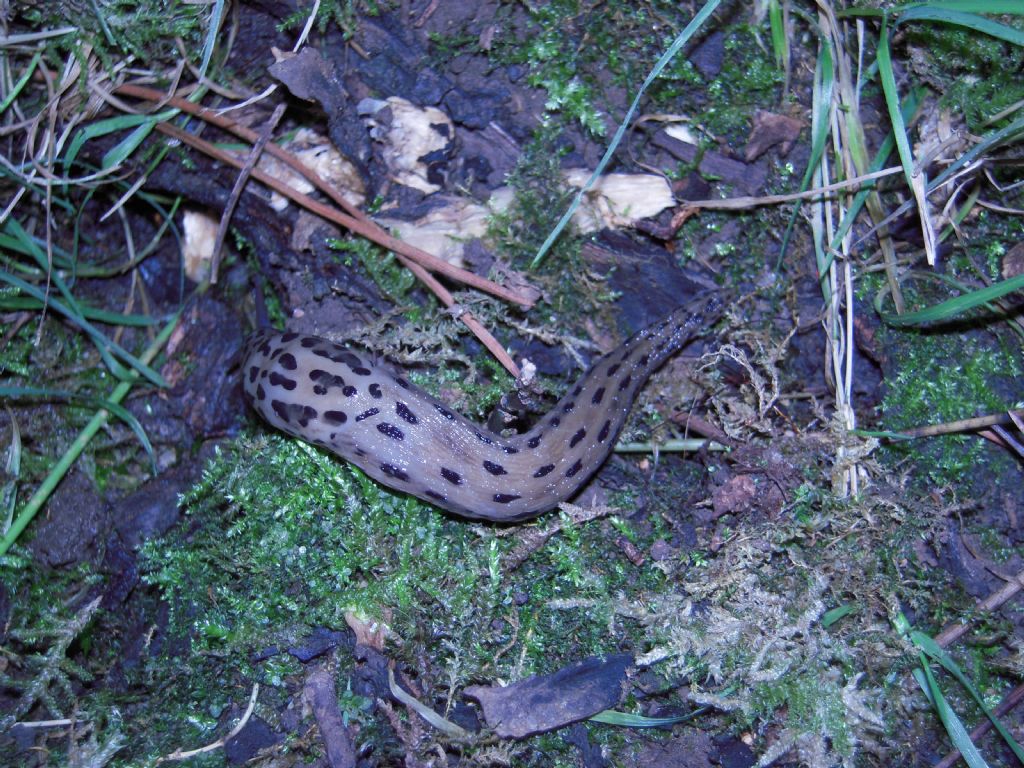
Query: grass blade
(12, 471)
(72, 311)
(935, 651)
(23, 303)
(110, 125)
(677, 44)
(968, 20)
(33, 505)
(628, 720)
(951, 307)
(18, 86)
(822, 104)
(916, 179)
(97, 402)
(954, 727)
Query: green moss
(474, 396)
(343, 13)
(146, 29)
(749, 79)
(557, 59)
(813, 704)
(282, 538)
(977, 75)
(384, 268)
(571, 50)
(540, 199)
(945, 377)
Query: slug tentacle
(370, 415)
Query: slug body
(367, 413)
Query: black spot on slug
(287, 339)
(483, 438)
(349, 391)
(404, 412)
(350, 359)
(574, 468)
(254, 371)
(567, 408)
(308, 414)
(509, 449)
(643, 360)
(613, 369)
(402, 382)
(367, 414)
(603, 434)
(391, 431)
(375, 392)
(392, 471)
(337, 354)
(309, 342)
(288, 361)
(261, 393)
(277, 380)
(326, 379)
(544, 470)
(555, 421)
(505, 498)
(577, 390)
(534, 441)
(577, 437)
(451, 476)
(319, 389)
(294, 412)
(335, 417)
(598, 396)
(625, 382)
(276, 352)
(444, 412)
(436, 496)
(494, 469)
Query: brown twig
(1011, 700)
(321, 695)
(955, 630)
(418, 261)
(1004, 439)
(240, 182)
(532, 540)
(693, 423)
(362, 224)
(962, 425)
(332, 214)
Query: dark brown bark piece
(547, 702)
(322, 696)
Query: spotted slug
(368, 413)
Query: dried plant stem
(418, 261)
(179, 755)
(385, 240)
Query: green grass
(115, 28)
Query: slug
(367, 413)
